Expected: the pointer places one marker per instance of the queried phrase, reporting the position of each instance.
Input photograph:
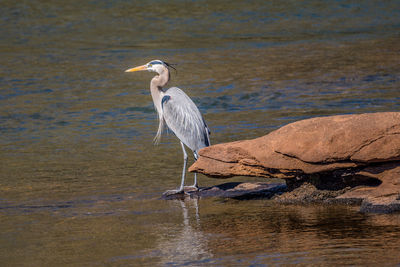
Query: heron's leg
(195, 185)
(182, 187)
(185, 158)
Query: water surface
(80, 179)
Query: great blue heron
(179, 113)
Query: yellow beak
(144, 67)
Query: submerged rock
(358, 156)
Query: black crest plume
(171, 66)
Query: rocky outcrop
(358, 154)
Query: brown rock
(383, 198)
(338, 138)
(356, 148)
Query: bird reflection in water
(187, 245)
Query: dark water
(80, 179)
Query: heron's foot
(192, 188)
(175, 192)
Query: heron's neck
(156, 88)
(160, 80)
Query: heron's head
(157, 66)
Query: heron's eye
(150, 65)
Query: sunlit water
(80, 179)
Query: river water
(80, 179)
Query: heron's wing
(184, 119)
(208, 132)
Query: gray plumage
(184, 119)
